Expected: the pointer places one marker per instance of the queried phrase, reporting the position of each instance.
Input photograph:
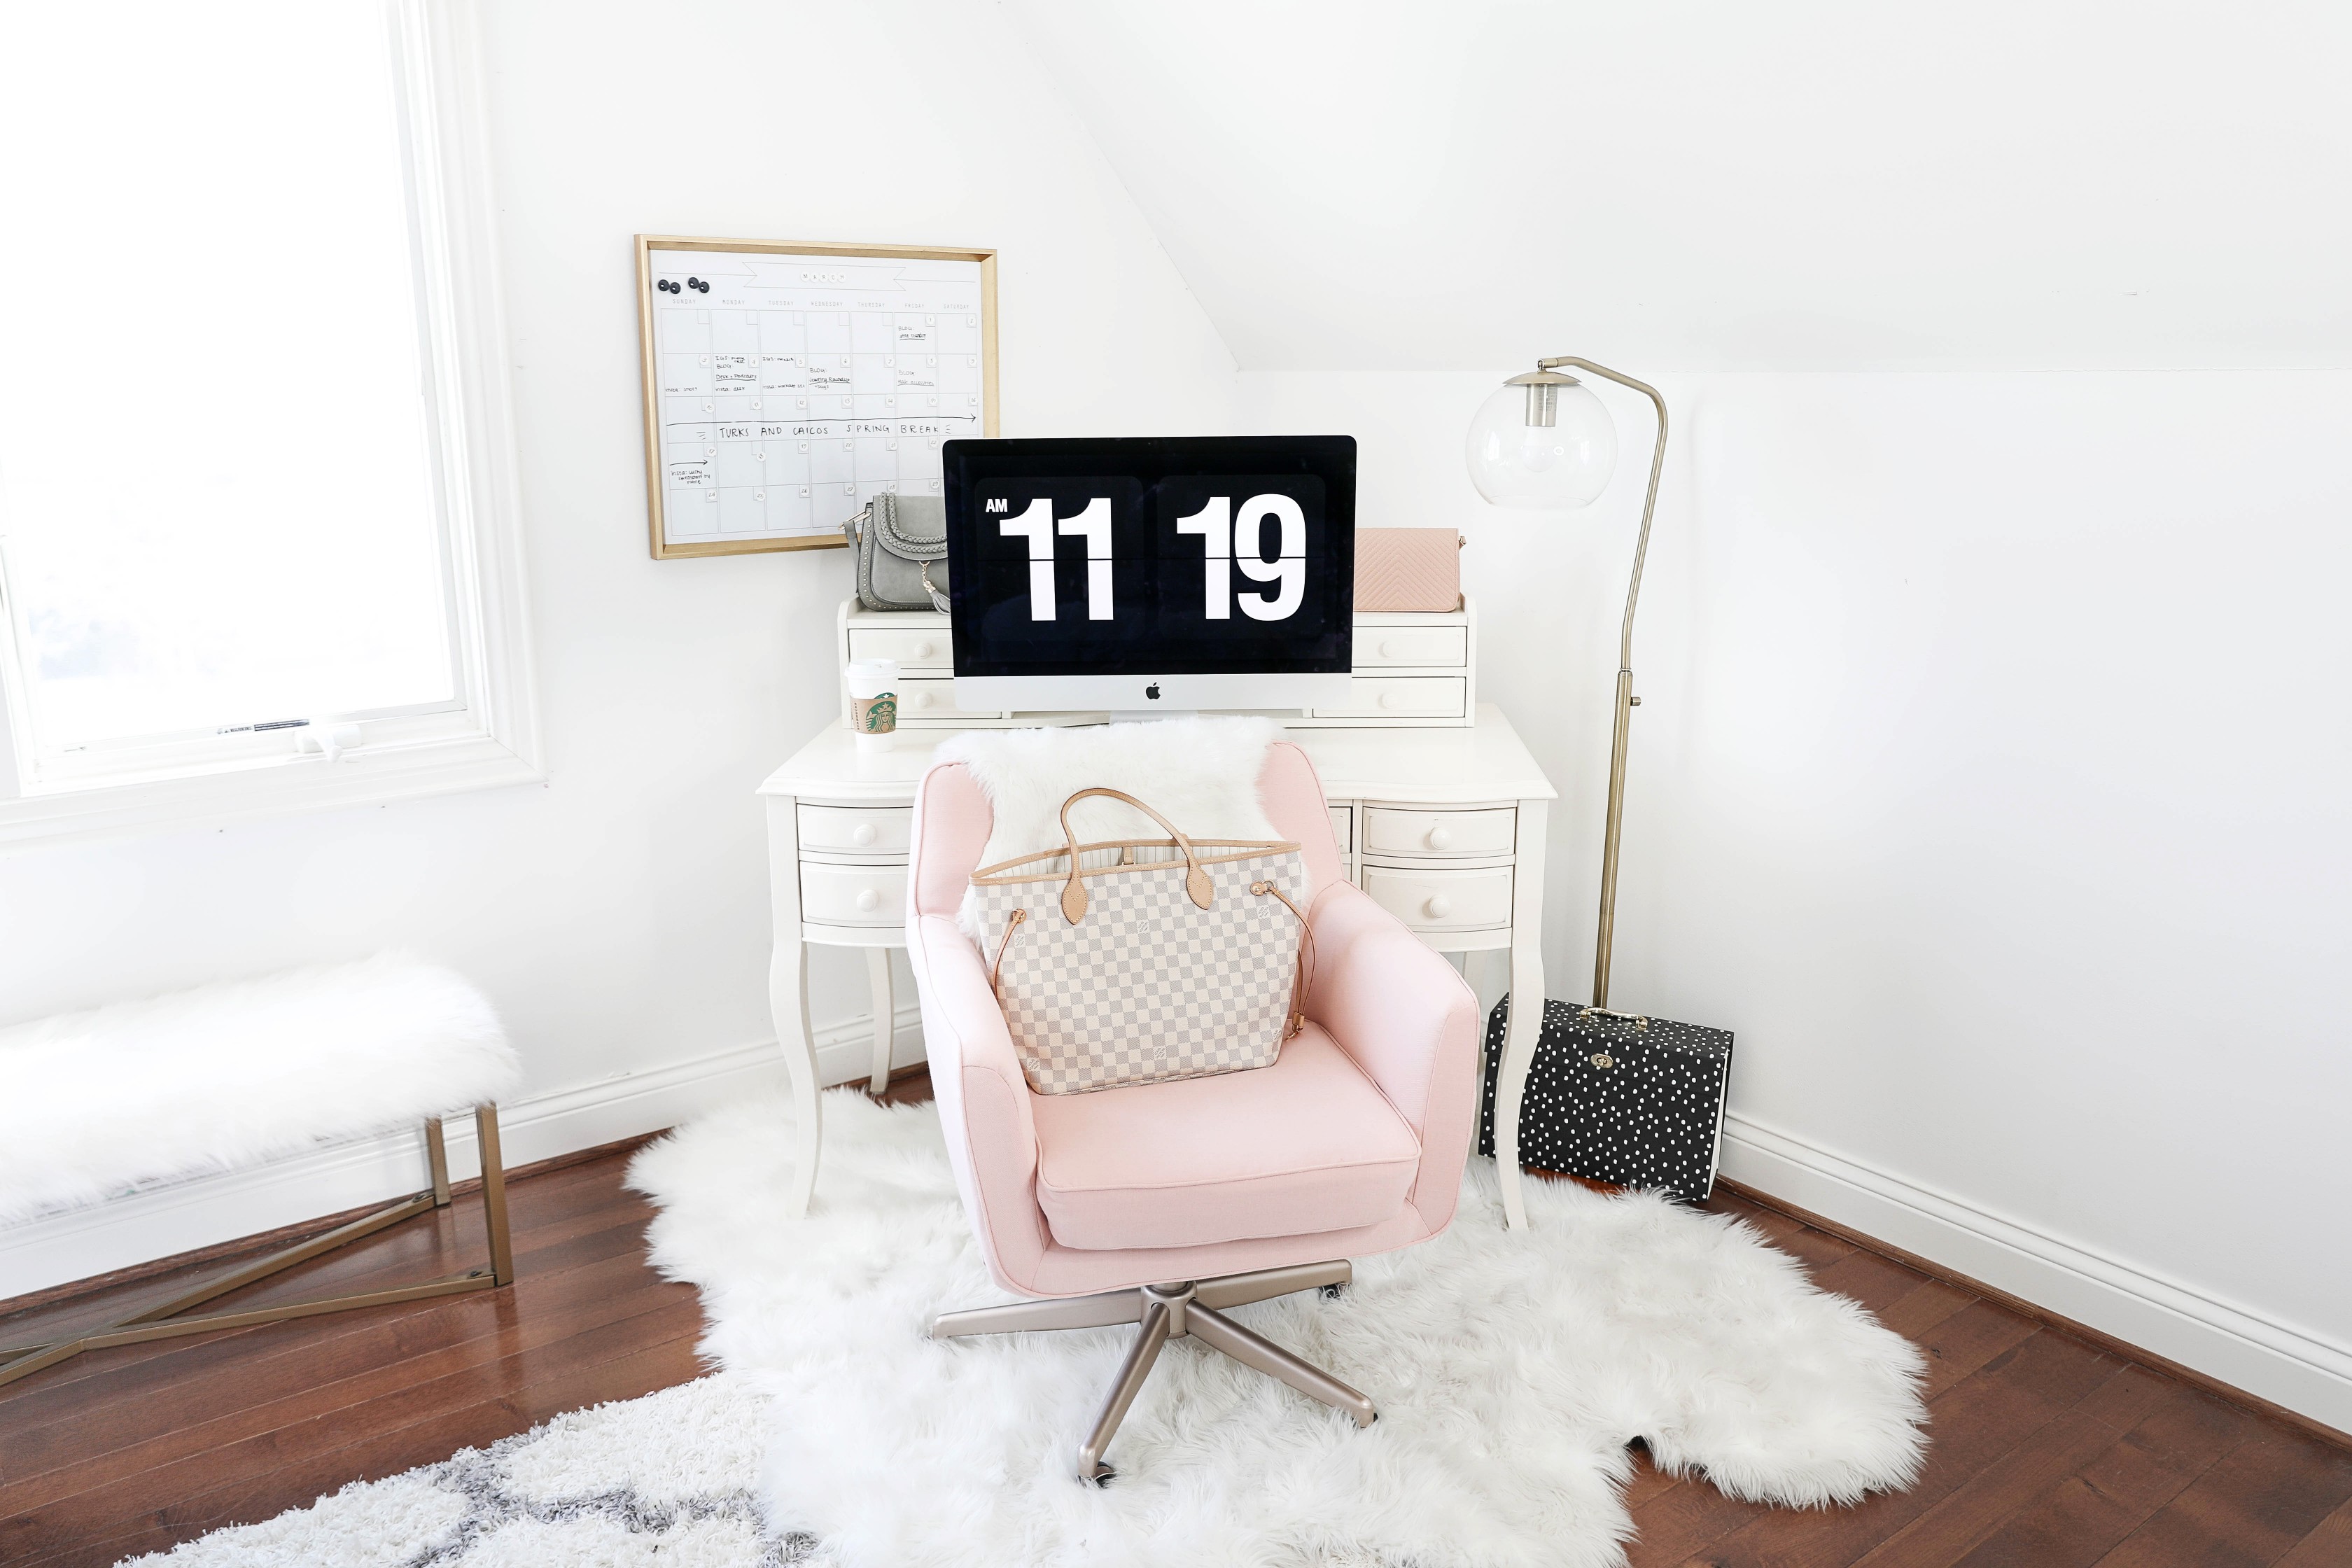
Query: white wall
(618, 916)
(1988, 781)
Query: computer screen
(1133, 572)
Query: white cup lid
(872, 676)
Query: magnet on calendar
(759, 495)
(890, 446)
(849, 489)
(705, 362)
(799, 403)
(890, 403)
(849, 445)
(710, 496)
(889, 362)
(706, 406)
(935, 484)
(760, 454)
(971, 320)
(710, 452)
(804, 445)
(972, 359)
(930, 359)
(931, 321)
(933, 402)
(804, 490)
(755, 403)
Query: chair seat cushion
(1308, 1144)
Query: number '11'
(1036, 525)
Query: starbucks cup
(873, 702)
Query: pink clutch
(1408, 569)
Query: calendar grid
(786, 389)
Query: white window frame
(489, 736)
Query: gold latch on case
(1604, 1061)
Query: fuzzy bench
(232, 1075)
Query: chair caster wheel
(1104, 1475)
(1328, 1292)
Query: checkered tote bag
(1138, 960)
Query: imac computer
(1149, 574)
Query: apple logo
(1152, 691)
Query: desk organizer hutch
(1437, 806)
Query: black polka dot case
(1619, 1098)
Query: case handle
(1197, 885)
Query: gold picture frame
(667, 477)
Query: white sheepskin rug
(1510, 1370)
(236, 1073)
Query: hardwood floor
(2048, 1452)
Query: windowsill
(367, 776)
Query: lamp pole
(1626, 701)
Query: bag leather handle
(1197, 885)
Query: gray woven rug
(664, 1481)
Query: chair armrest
(1408, 1020)
(983, 1097)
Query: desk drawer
(1403, 697)
(1388, 831)
(855, 829)
(925, 647)
(1443, 900)
(852, 895)
(932, 702)
(1378, 648)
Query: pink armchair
(1160, 1203)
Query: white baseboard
(2287, 1365)
(180, 1216)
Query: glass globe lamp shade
(1515, 461)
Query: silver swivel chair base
(1173, 1312)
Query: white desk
(1443, 826)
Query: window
(256, 536)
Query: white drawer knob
(862, 835)
(1391, 699)
(1438, 906)
(1388, 650)
(868, 899)
(924, 650)
(918, 699)
(1441, 837)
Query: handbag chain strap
(1197, 885)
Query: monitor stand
(1146, 715)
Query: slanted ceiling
(1697, 186)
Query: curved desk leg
(886, 1014)
(1526, 1023)
(788, 998)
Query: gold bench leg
(162, 1320)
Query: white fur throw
(236, 1073)
(1200, 774)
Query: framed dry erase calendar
(787, 385)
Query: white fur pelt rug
(236, 1073)
(1510, 1370)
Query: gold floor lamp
(1544, 440)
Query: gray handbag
(902, 553)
